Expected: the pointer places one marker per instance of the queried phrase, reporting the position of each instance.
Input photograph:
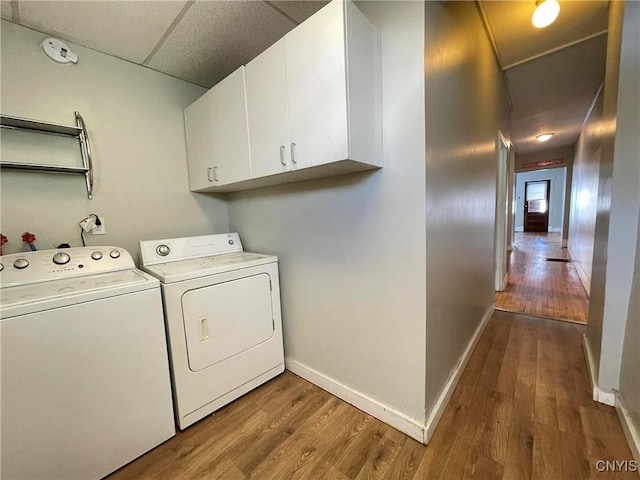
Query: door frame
(501, 213)
(525, 206)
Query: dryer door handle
(204, 329)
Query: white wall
(625, 203)
(627, 146)
(599, 133)
(134, 118)
(566, 154)
(466, 105)
(352, 248)
(584, 195)
(556, 196)
(628, 395)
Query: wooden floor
(522, 410)
(539, 287)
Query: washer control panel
(44, 265)
(173, 249)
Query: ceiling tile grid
(299, 10)
(202, 41)
(125, 29)
(6, 11)
(214, 38)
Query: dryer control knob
(61, 258)
(163, 250)
(1, 267)
(114, 253)
(97, 255)
(21, 263)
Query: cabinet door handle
(215, 173)
(293, 157)
(210, 174)
(282, 161)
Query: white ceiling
(200, 41)
(552, 74)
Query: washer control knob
(21, 263)
(61, 258)
(1, 267)
(97, 255)
(163, 250)
(114, 253)
(231, 242)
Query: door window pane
(537, 197)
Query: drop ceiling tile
(125, 29)
(299, 10)
(517, 39)
(216, 37)
(5, 10)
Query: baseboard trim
(454, 378)
(363, 402)
(519, 229)
(599, 395)
(630, 430)
(584, 278)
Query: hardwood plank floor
(539, 287)
(522, 410)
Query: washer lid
(72, 290)
(199, 267)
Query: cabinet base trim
(328, 170)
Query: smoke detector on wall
(58, 51)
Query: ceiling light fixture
(544, 137)
(545, 14)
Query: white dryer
(84, 364)
(222, 310)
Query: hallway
(522, 410)
(540, 287)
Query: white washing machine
(84, 365)
(222, 309)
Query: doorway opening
(542, 281)
(536, 206)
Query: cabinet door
(267, 107)
(316, 87)
(229, 130)
(199, 147)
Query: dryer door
(225, 319)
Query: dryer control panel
(173, 249)
(45, 265)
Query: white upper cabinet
(317, 89)
(313, 108)
(267, 107)
(218, 136)
(199, 142)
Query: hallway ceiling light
(545, 13)
(544, 137)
